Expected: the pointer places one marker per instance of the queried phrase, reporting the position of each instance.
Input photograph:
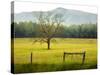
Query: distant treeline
(29, 29)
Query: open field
(52, 60)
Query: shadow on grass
(31, 68)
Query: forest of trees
(30, 29)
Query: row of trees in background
(49, 25)
(30, 29)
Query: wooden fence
(66, 54)
(75, 53)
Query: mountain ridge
(71, 16)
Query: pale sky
(33, 6)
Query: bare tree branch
(49, 25)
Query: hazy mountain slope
(70, 16)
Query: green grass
(52, 60)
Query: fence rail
(75, 53)
(66, 54)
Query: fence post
(31, 58)
(83, 60)
(64, 57)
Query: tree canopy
(30, 29)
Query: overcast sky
(33, 6)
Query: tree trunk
(48, 42)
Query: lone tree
(49, 25)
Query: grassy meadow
(52, 60)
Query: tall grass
(52, 60)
